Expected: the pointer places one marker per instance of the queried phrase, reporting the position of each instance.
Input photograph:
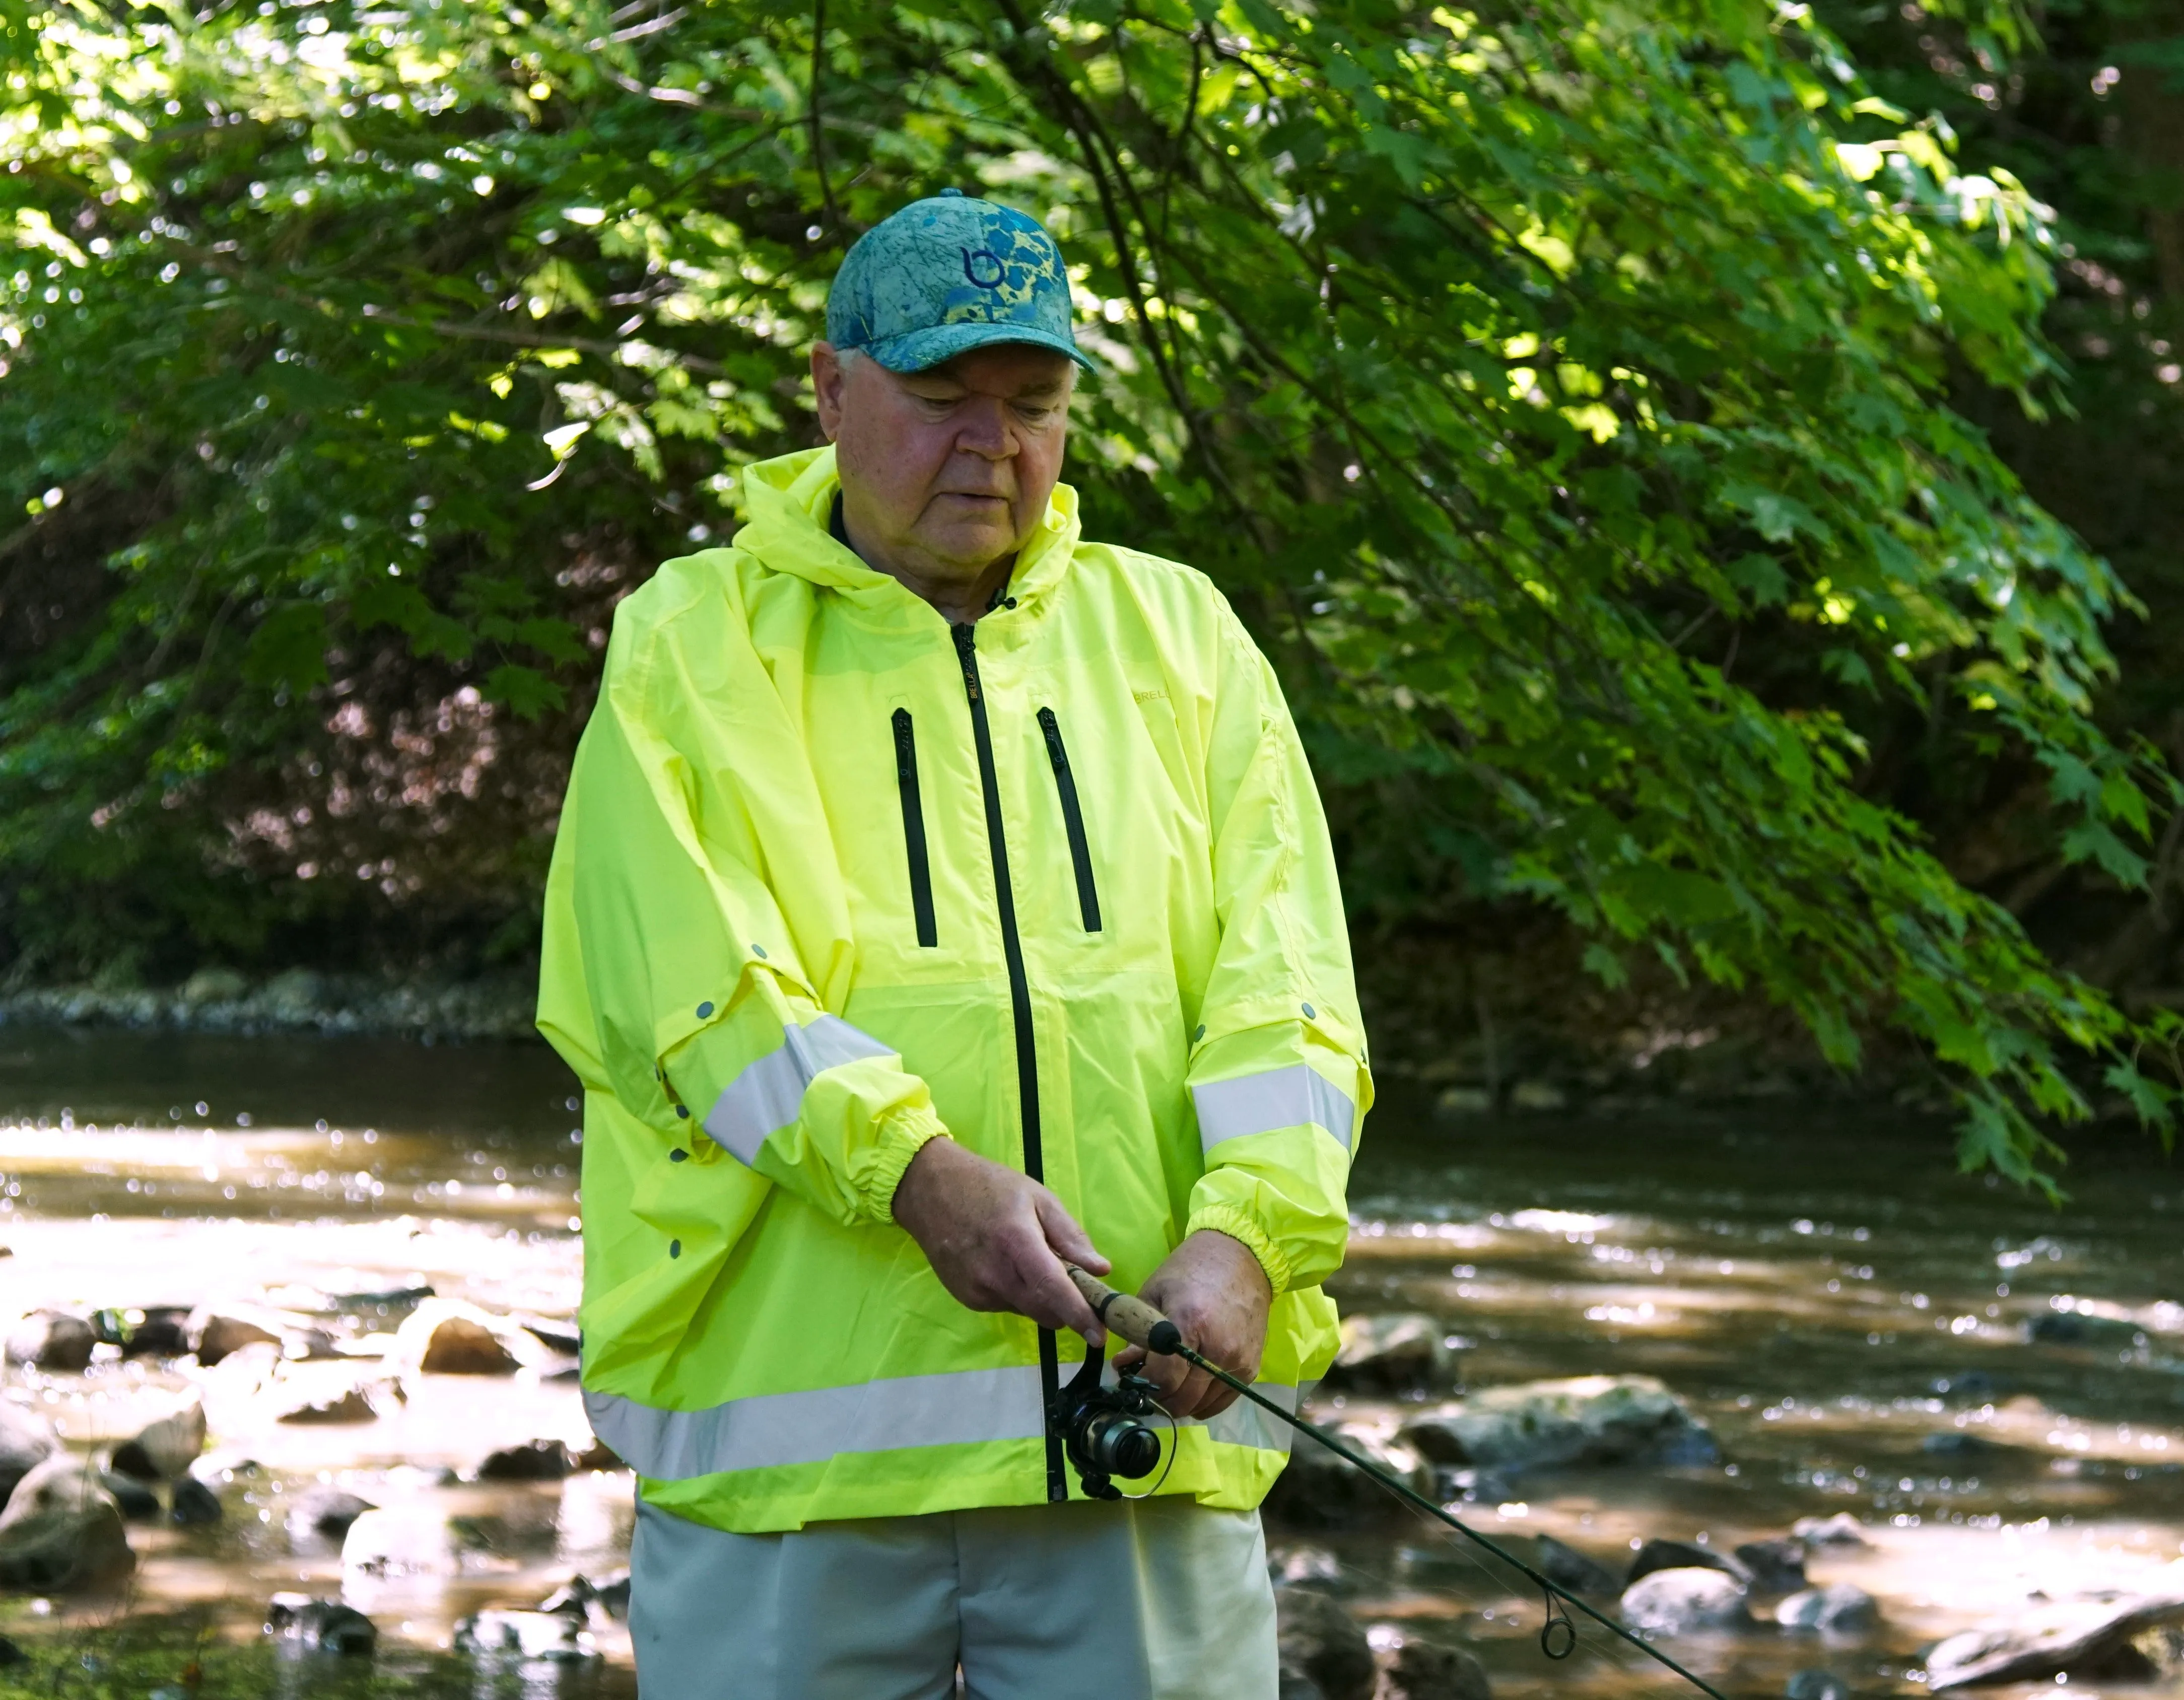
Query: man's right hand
(996, 1238)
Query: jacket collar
(790, 500)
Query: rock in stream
(2089, 1637)
(1587, 1419)
(62, 1531)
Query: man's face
(948, 468)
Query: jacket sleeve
(703, 1012)
(1278, 1069)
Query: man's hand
(996, 1238)
(1212, 1289)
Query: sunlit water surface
(1849, 1316)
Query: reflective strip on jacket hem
(1243, 1424)
(1295, 1097)
(774, 1429)
(769, 1093)
(958, 1409)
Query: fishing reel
(1105, 1429)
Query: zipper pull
(966, 644)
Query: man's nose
(985, 430)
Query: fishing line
(1141, 1325)
(1558, 1635)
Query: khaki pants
(1162, 1599)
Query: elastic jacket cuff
(1226, 1218)
(902, 1135)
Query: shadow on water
(1993, 1386)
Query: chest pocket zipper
(913, 830)
(1072, 819)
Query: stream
(1993, 1386)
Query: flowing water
(1992, 1385)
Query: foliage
(1561, 391)
(2084, 100)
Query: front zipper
(913, 830)
(1049, 1379)
(1072, 820)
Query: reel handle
(1126, 1313)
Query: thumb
(1067, 1241)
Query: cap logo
(983, 267)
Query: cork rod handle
(1126, 1313)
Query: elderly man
(940, 898)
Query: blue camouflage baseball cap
(948, 273)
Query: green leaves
(1562, 396)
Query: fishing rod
(1140, 1324)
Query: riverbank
(297, 1000)
(1484, 1031)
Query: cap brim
(919, 350)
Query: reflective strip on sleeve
(769, 1093)
(1295, 1097)
(775, 1429)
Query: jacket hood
(790, 500)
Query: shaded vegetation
(1583, 404)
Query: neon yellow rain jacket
(834, 878)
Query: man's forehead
(1017, 368)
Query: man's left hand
(1212, 1289)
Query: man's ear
(827, 381)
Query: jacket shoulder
(1185, 606)
(682, 588)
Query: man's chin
(971, 549)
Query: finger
(1167, 1375)
(1191, 1397)
(1129, 1358)
(1071, 1243)
(1219, 1396)
(1050, 1298)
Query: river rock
(1319, 1490)
(213, 1336)
(27, 1440)
(2077, 1328)
(164, 1332)
(321, 1626)
(192, 1502)
(556, 1336)
(445, 1337)
(52, 1340)
(525, 1635)
(532, 1461)
(1391, 1354)
(1322, 1643)
(2066, 1637)
(1839, 1608)
(1815, 1684)
(1589, 1420)
(580, 1596)
(1772, 1567)
(1420, 1670)
(1658, 1554)
(325, 1512)
(137, 1503)
(1681, 1602)
(348, 1405)
(62, 1531)
(1841, 1529)
(165, 1448)
(1567, 1568)
(400, 1541)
